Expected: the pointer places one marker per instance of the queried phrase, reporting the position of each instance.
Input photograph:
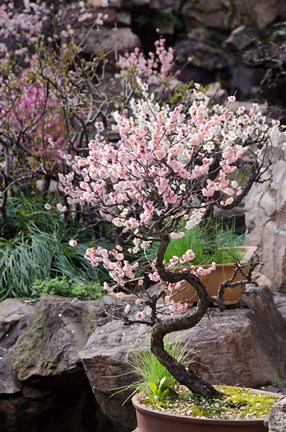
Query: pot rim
(200, 420)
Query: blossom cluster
(168, 164)
(31, 112)
(20, 25)
(154, 69)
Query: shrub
(61, 286)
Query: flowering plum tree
(168, 165)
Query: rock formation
(43, 386)
(63, 360)
(265, 208)
(277, 418)
(219, 345)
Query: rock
(244, 80)
(218, 343)
(73, 409)
(265, 207)
(164, 5)
(277, 418)
(58, 329)
(204, 46)
(228, 15)
(216, 93)
(14, 316)
(9, 384)
(210, 13)
(105, 362)
(258, 14)
(19, 414)
(241, 37)
(117, 39)
(47, 388)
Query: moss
(31, 347)
(234, 403)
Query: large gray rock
(105, 362)
(109, 40)
(42, 382)
(14, 316)
(58, 329)
(277, 418)
(265, 208)
(245, 346)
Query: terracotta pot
(187, 294)
(149, 420)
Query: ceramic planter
(149, 420)
(187, 294)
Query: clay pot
(212, 281)
(149, 420)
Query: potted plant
(168, 164)
(210, 242)
(158, 403)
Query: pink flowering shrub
(168, 164)
(21, 25)
(33, 109)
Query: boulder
(14, 317)
(210, 13)
(58, 330)
(105, 362)
(227, 15)
(108, 40)
(202, 53)
(258, 14)
(265, 207)
(277, 418)
(219, 344)
(42, 382)
(241, 37)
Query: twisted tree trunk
(184, 376)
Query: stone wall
(214, 33)
(265, 216)
(63, 360)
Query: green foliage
(210, 243)
(38, 249)
(158, 392)
(25, 210)
(234, 403)
(154, 379)
(61, 286)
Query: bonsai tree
(168, 164)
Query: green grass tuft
(210, 243)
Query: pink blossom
(61, 208)
(140, 316)
(174, 260)
(175, 235)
